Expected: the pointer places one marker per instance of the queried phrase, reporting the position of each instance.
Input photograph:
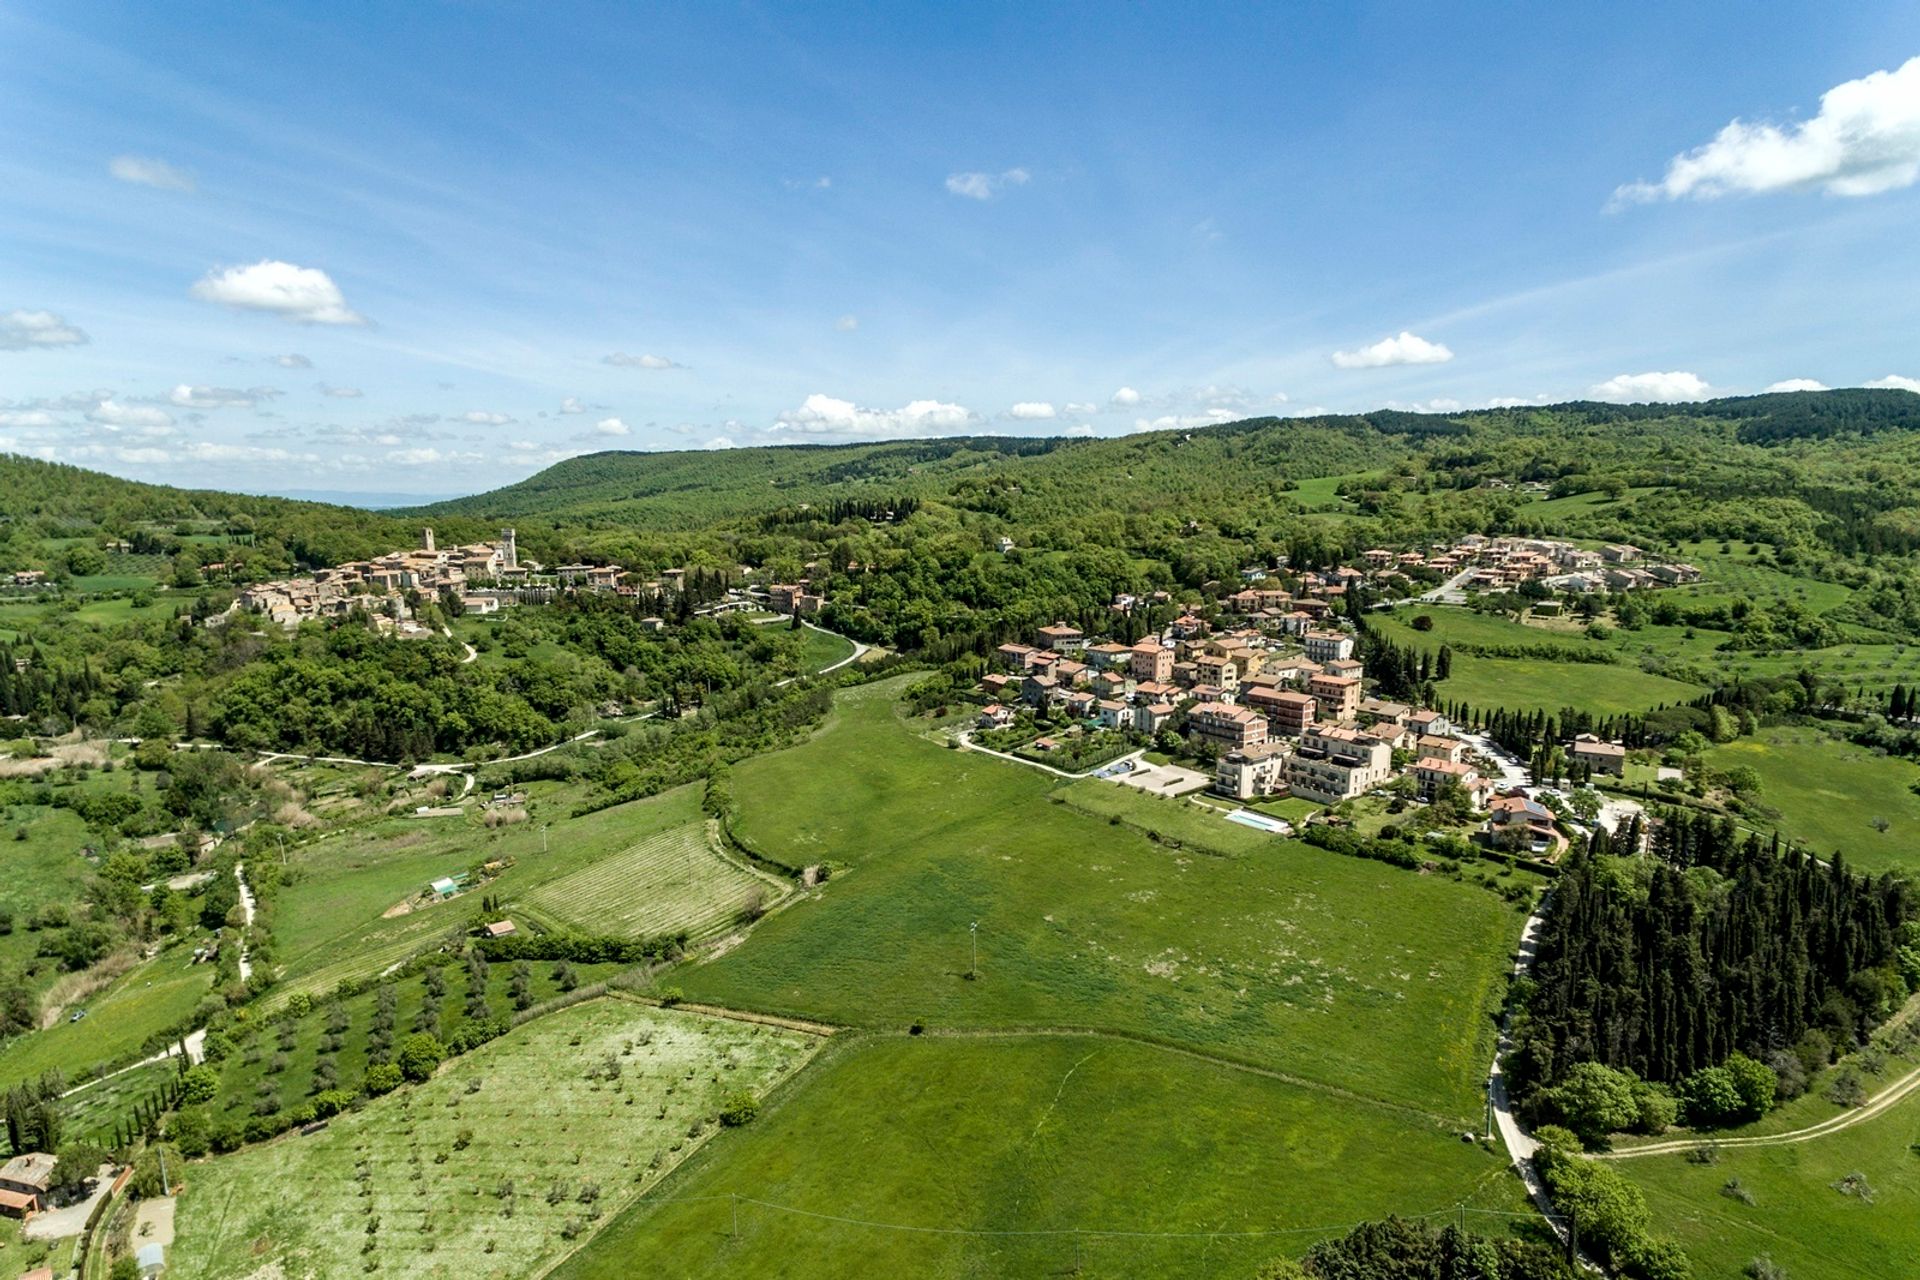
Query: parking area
(1164, 779)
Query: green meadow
(1831, 794)
(968, 1156)
(1158, 922)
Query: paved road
(196, 1054)
(1448, 592)
(246, 916)
(965, 739)
(472, 652)
(1519, 1143)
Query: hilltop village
(1261, 693)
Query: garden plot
(677, 880)
(495, 1166)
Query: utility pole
(973, 933)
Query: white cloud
(1798, 384)
(1439, 404)
(340, 393)
(113, 413)
(1184, 421)
(626, 361)
(1515, 402)
(187, 397)
(823, 415)
(611, 427)
(1895, 382)
(985, 186)
(821, 183)
(572, 404)
(37, 330)
(1403, 348)
(1865, 140)
(293, 360)
(145, 172)
(1032, 411)
(847, 323)
(27, 418)
(1658, 388)
(1079, 408)
(484, 418)
(721, 442)
(304, 294)
(1082, 431)
(1125, 397)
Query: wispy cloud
(1865, 140)
(191, 397)
(985, 186)
(622, 360)
(143, 171)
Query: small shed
(501, 929)
(151, 1258)
(445, 886)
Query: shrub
(199, 1084)
(419, 1054)
(739, 1108)
(382, 1078)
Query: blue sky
(432, 248)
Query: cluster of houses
(483, 575)
(1502, 563)
(383, 581)
(1278, 703)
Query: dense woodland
(1715, 945)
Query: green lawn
(149, 999)
(1337, 969)
(551, 1146)
(962, 1156)
(1828, 793)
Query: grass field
(1789, 1207)
(1828, 793)
(45, 866)
(550, 1145)
(821, 649)
(922, 1143)
(1535, 683)
(671, 882)
(1270, 951)
(148, 999)
(331, 923)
